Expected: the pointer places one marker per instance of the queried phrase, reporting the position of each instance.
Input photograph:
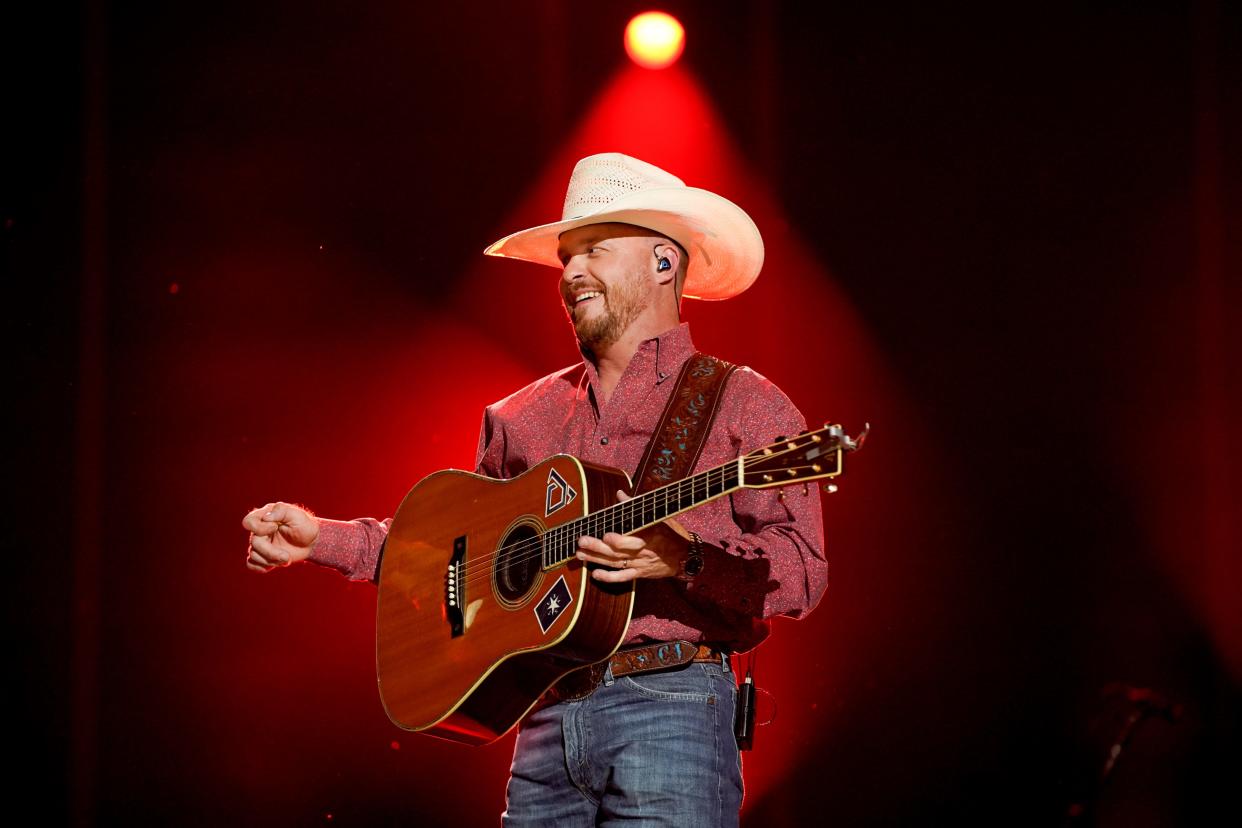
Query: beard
(623, 302)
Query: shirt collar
(673, 347)
(658, 358)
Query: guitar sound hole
(517, 563)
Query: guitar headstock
(811, 455)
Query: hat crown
(599, 180)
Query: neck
(612, 360)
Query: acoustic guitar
(482, 603)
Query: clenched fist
(280, 534)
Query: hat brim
(724, 245)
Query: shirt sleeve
(351, 547)
(769, 559)
(489, 460)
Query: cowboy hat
(724, 246)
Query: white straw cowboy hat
(724, 246)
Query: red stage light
(654, 40)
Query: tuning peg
(830, 488)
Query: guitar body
(473, 624)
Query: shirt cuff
(351, 547)
(730, 582)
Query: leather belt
(628, 661)
(664, 655)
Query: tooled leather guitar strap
(678, 440)
(675, 447)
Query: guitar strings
(529, 549)
(522, 551)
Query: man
(652, 745)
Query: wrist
(692, 563)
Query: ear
(670, 251)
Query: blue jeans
(650, 749)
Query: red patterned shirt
(764, 555)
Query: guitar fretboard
(561, 543)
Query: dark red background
(242, 244)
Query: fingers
(615, 576)
(280, 534)
(622, 496)
(624, 552)
(257, 564)
(263, 550)
(255, 520)
(269, 551)
(631, 556)
(612, 542)
(273, 514)
(296, 523)
(609, 550)
(283, 513)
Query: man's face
(607, 281)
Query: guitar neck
(812, 455)
(648, 509)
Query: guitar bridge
(454, 588)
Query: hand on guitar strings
(280, 534)
(656, 552)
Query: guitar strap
(678, 440)
(675, 447)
